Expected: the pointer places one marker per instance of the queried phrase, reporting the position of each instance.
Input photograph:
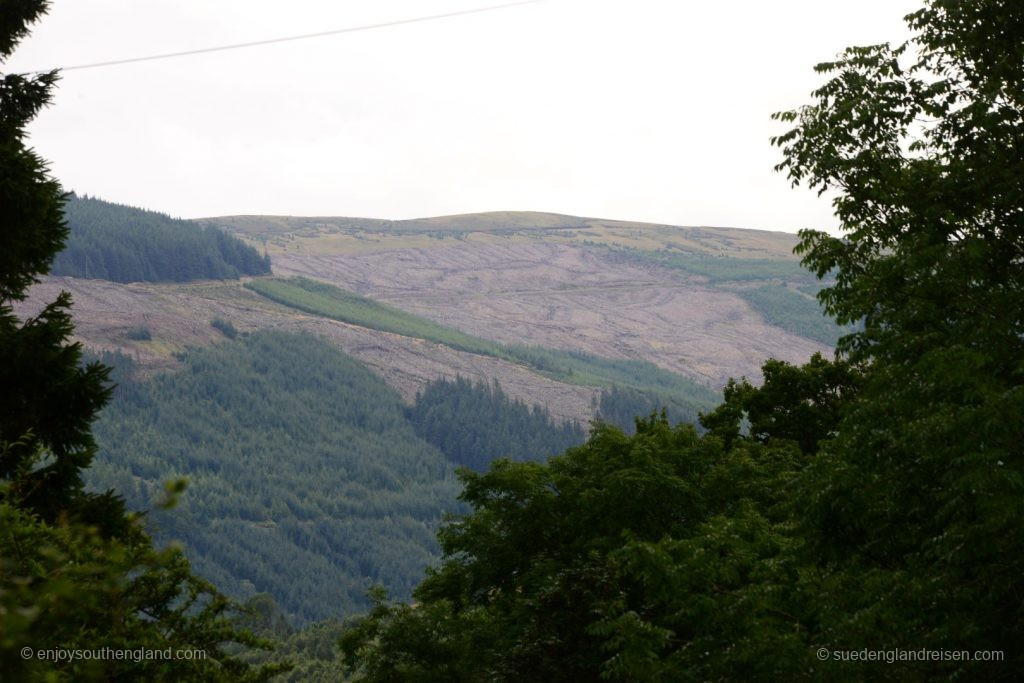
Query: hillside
(704, 303)
(570, 367)
(124, 244)
(302, 461)
(526, 323)
(333, 234)
(513, 446)
(177, 317)
(676, 296)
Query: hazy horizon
(646, 111)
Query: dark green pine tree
(49, 400)
(76, 571)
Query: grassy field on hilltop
(340, 235)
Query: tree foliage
(307, 481)
(589, 567)
(303, 463)
(76, 571)
(124, 244)
(48, 399)
(70, 587)
(474, 424)
(621, 406)
(797, 404)
(312, 650)
(871, 504)
(919, 495)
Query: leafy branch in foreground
(869, 504)
(917, 503)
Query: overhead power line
(305, 36)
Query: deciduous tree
(918, 501)
(874, 503)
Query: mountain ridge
(777, 244)
(619, 290)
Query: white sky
(653, 110)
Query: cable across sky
(271, 41)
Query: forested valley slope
(318, 413)
(523, 446)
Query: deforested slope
(573, 367)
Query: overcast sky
(654, 110)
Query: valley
(511, 445)
(463, 335)
(514, 278)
